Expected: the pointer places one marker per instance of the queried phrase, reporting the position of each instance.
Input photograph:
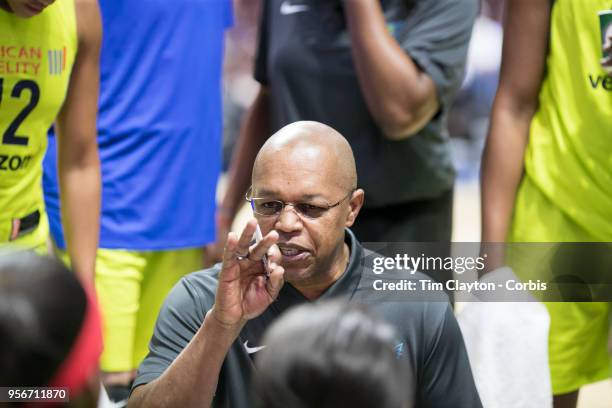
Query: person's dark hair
(331, 354)
(42, 306)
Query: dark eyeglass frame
(296, 205)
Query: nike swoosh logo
(288, 8)
(252, 350)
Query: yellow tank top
(36, 58)
(569, 154)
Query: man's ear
(355, 204)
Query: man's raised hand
(244, 290)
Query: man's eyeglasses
(273, 208)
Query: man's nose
(288, 220)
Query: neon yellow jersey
(569, 154)
(36, 58)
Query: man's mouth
(293, 253)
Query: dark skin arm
(523, 64)
(243, 293)
(78, 162)
(196, 368)
(253, 133)
(401, 98)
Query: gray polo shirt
(430, 339)
(304, 57)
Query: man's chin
(296, 274)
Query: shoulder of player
(89, 23)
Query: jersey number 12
(10, 136)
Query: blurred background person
(332, 354)
(383, 74)
(49, 54)
(49, 328)
(239, 86)
(503, 380)
(546, 169)
(159, 132)
(468, 118)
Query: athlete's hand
(244, 289)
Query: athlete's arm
(78, 163)
(523, 64)
(254, 131)
(400, 97)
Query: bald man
(304, 199)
